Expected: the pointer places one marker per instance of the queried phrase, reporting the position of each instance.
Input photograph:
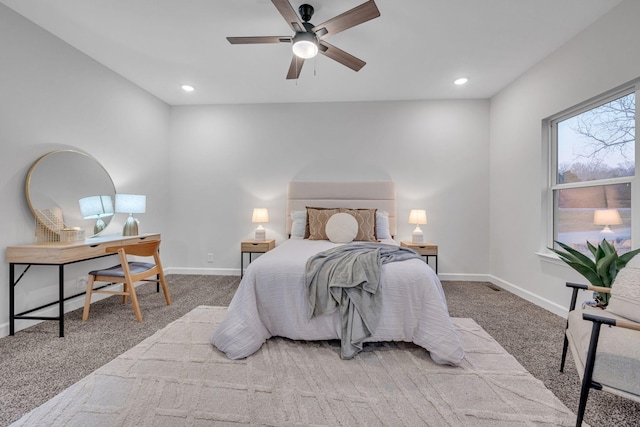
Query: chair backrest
(625, 293)
(138, 249)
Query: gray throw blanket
(347, 277)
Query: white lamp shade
(607, 217)
(131, 203)
(96, 207)
(260, 215)
(417, 216)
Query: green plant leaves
(600, 271)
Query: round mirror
(70, 189)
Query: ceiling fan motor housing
(306, 12)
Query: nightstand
(425, 249)
(254, 247)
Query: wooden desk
(59, 254)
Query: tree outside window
(594, 171)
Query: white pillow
(341, 228)
(625, 293)
(382, 225)
(298, 224)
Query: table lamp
(96, 207)
(131, 203)
(607, 217)
(417, 217)
(260, 215)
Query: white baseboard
(203, 271)
(465, 277)
(531, 297)
(236, 272)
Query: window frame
(550, 134)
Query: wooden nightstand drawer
(425, 249)
(422, 248)
(257, 245)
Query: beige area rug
(176, 378)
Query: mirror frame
(38, 162)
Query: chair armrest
(600, 289)
(580, 287)
(611, 322)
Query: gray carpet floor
(36, 364)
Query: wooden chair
(608, 358)
(128, 273)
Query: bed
(271, 299)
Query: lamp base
(99, 226)
(130, 227)
(417, 236)
(261, 235)
(607, 230)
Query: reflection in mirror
(96, 207)
(56, 184)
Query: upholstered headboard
(372, 194)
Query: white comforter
(271, 301)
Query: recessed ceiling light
(188, 88)
(461, 81)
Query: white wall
(599, 59)
(476, 166)
(54, 97)
(228, 159)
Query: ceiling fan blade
(351, 18)
(341, 56)
(289, 14)
(259, 39)
(295, 67)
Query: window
(593, 151)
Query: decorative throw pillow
(298, 224)
(341, 228)
(307, 231)
(366, 223)
(317, 220)
(625, 294)
(382, 225)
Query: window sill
(551, 258)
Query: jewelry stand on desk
(59, 254)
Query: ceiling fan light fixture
(305, 45)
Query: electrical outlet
(81, 283)
(209, 257)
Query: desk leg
(61, 298)
(12, 307)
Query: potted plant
(600, 271)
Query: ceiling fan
(309, 39)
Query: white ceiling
(414, 50)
